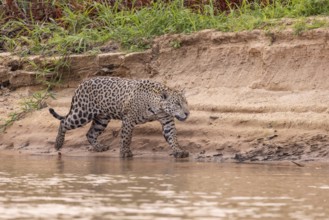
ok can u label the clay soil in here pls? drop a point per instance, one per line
(253, 96)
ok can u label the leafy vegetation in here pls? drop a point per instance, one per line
(36, 101)
(65, 27)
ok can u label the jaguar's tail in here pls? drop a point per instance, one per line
(59, 117)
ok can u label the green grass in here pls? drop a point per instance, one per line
(303, 25)
(79, 31)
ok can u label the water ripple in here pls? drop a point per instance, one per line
(159, 191)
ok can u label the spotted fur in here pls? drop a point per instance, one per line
(101, 99)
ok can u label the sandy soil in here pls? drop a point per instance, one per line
(253, 96)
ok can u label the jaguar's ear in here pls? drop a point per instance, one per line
(164, 95)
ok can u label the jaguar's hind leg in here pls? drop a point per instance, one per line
(97, 127)
(60, 136)
(70, 122)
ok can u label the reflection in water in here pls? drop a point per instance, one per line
(60, 164)
(107, 188)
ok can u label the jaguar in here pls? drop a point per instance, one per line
(101, 99)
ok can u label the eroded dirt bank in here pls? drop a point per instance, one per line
(253, 96)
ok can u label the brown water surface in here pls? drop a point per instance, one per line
(35, 187)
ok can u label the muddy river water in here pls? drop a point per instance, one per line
(36, 187)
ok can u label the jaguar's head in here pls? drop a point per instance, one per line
(174, 103)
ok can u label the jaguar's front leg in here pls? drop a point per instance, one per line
(126, 135)
(170, 134)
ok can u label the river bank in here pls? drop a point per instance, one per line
(253, 96)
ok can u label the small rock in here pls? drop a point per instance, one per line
(10, 146)
(15, 65)
(272, 136)
(212, 117)
(238, 157)
(26, 144)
